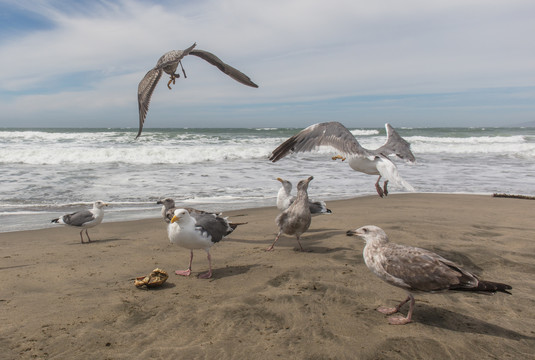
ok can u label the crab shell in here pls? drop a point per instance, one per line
(156, 278)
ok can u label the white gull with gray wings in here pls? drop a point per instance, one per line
(84, 219)
(372, 162)
(168, 63)
(197, 231)
(415, 270)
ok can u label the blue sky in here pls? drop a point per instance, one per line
(411, 63)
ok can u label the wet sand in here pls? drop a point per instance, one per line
(60, 299)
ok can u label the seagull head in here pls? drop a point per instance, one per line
(370, 234)
(99, 204)
(285, 184)
(167, 202)
(303, 184)
(180, 214)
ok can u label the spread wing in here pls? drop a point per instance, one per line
(395, 144)
(79, 218)
(227, 69)
(331, 134)
(144, 93)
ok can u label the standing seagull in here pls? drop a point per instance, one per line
(197, 231)
(296, 219)
(415, 269)
(168, 63)
(84, 219)
(372, 162)
(285, 199)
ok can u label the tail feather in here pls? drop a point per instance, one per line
(55, 220)
(235, 225)
(488, 286)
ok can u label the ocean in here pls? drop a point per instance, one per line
(49, 172)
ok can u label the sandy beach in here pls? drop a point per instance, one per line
(60, 299)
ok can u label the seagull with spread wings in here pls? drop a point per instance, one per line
(168, 63)
(372, 162)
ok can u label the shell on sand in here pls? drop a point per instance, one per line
(156, 278)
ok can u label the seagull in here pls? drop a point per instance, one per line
(415, 269)
(84, 219)
(168, 211)
(285, 199)
(168, 63)
(372, 162)
(296, 219)
(197, 231)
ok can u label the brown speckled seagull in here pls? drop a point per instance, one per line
(297, 218)
(415, 270)
(168, 63)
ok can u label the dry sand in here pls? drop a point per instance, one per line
(60, 299)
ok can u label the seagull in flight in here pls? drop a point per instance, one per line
(372, 162)
(168, 63)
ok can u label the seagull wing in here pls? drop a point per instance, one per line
(79, 218)
(395, 144)
(212, 224)
(227, 69)
(424, 270)
(331, 134)
(144, 93)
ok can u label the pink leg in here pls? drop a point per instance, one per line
(207, 275)
(277, 238)
(399, 320)
(81, 237)
(378, 187)
(188, 271)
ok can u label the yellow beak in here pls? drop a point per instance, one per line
(175, 218)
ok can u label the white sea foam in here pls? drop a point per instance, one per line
(48, 173)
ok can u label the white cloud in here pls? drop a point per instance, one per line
(297, 51)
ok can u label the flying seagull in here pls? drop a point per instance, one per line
(296, 219)
(197, 231)
(415, 269)
(372, 162)
(84, 219)
(285, 199)
(168, 63)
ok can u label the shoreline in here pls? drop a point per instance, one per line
(62, 299)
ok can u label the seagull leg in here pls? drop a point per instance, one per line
(392, 310)
(207, 275)
(172, 80)
(378, 187)
(400, 320)
(188, 271)
(183, 71)
(338, 157)
(88, 238)
(81, 237)
(272, 245)
(385, 184)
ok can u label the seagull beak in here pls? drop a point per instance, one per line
(159, 202)
(279, 179)
(351, 233)
(175, 219)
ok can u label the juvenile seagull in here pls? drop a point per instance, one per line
(415, 269)
(84, 219)
(372, 162)
(296, 219)
(168, 63)
(285, 199)
(169, 207)
(197, 231)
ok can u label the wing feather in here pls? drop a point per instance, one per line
(144, 93)
(227, 69)
(332, 134)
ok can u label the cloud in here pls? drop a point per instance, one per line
(92, 55)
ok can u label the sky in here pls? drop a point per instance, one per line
(412, 63)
